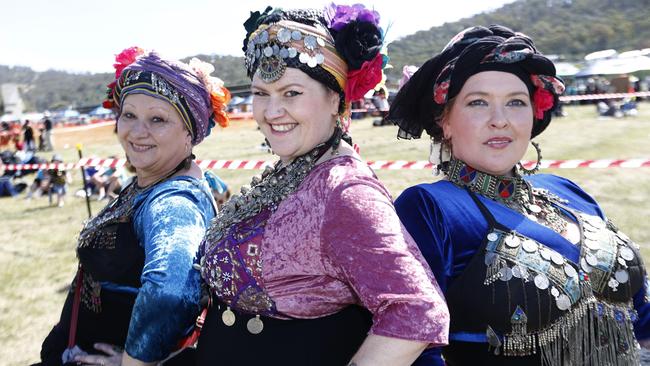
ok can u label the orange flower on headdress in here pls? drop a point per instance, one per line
(219, 95)
(219, 101)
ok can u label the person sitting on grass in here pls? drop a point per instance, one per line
(59, 179)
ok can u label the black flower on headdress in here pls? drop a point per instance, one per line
(358, 42)
(253, 22)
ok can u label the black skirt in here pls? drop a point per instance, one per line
(330, 340)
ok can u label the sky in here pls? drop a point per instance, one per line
(85, 35)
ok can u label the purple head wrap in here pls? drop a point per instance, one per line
(173, 82)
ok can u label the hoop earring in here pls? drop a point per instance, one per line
(535, 169)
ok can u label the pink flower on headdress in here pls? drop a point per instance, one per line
(126, 58)
(338, 16)
(364, 79)
(407, 72)
(542, 100)
(122, 60)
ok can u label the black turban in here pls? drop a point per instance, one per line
(421, 101)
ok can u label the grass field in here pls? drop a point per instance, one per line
(37, 259)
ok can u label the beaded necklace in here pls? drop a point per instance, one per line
(537, 204)
(275, 184)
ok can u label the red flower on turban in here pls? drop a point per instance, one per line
(126, 58)
(542, 100)
(364, 79)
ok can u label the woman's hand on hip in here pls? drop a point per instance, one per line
(113, 356)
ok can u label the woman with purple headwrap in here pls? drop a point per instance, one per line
(136, 293)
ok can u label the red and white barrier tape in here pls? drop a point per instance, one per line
(571, 98)
(377, 165)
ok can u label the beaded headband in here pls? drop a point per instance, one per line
(272, 45)
(148, 83)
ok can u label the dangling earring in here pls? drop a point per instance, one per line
(338, 131)
(268, 146)
(439, 155)
(537, 164)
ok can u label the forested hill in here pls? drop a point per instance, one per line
(55, 89)
(569, 28)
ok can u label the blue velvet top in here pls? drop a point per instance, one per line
(449, 228)
(170, 220)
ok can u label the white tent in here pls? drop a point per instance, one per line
(616, 66)
(10, 117)
(565, 69)
(235, 101)
(34, 116)
(100, 111)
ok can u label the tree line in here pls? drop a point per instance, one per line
(568, 28)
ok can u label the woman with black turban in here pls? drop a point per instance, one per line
(532, 269)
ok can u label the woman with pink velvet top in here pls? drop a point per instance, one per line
(310, 265)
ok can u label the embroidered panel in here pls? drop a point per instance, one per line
(233, 267)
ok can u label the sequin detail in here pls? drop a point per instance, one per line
(234, 267)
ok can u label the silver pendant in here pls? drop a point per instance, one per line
(284, 35)
(228, 317)
(529, 246)
(563, 302)
(541, 281)
(557, 258)
(519, 272)
(585, 266)
(555, 292)
(255, 325)
(545, 253)
(534, 208)
(512, 241)
(622, 236)
(591, 259)
(621, 276)
(570, 271)
(505, 274)
(626, 253)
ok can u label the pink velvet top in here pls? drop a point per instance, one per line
(337, 241)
